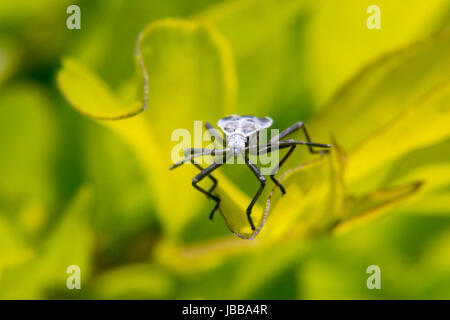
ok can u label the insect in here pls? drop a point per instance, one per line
(237, 132)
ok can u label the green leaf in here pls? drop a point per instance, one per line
(434, 204)
(310, 207)
(434, 198)
(312, 203)
(10, 14)
(406, 168)
(189, 59)
(90, 95)
(8, 60)
(134, 281)
(70, 243)
(383, 91)
(242, 22)
(363, 206)
(233, 206)
(247, 285)
(426, 164)
(60, 250)
(193, 60)
(250, 26)
(13, 250)
(339, 43)
(190, 76)
(119, 211)
(28, 131)
(313, 197)
(423, 123)
(314, 181)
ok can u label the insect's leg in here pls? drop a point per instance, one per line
(272, 174)
(214, 180)
(200, 177)
(293, 128)
(288, 143)
(262, 180)
(214, 133)
(187, 159)
(291, 144)
(202, 152)
(190, 151)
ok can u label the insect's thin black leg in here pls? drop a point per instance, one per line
(214, 133)
(288, 143)
(214, 180)
(272, 174)
(293, 128)
(190, 151)
(262, 180)
(291, 144)
(257, 142)
(206, 172)
(185, 160)
(202, 152)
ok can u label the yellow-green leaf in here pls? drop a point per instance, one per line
(28, 136)
(310, 184)
(90, 95)
(70, 243)
(269, 75)
(359, 207)
(233, 208)
(189, 72)
(421, 124)
(384, 90)
(135, 281)
(339, 42)
(312, 203)
(13, 250)
(434, 197)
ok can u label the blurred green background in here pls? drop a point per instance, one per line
(98, 194)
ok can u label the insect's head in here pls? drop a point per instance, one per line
(243, 125)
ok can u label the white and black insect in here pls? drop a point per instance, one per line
(237, 132)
